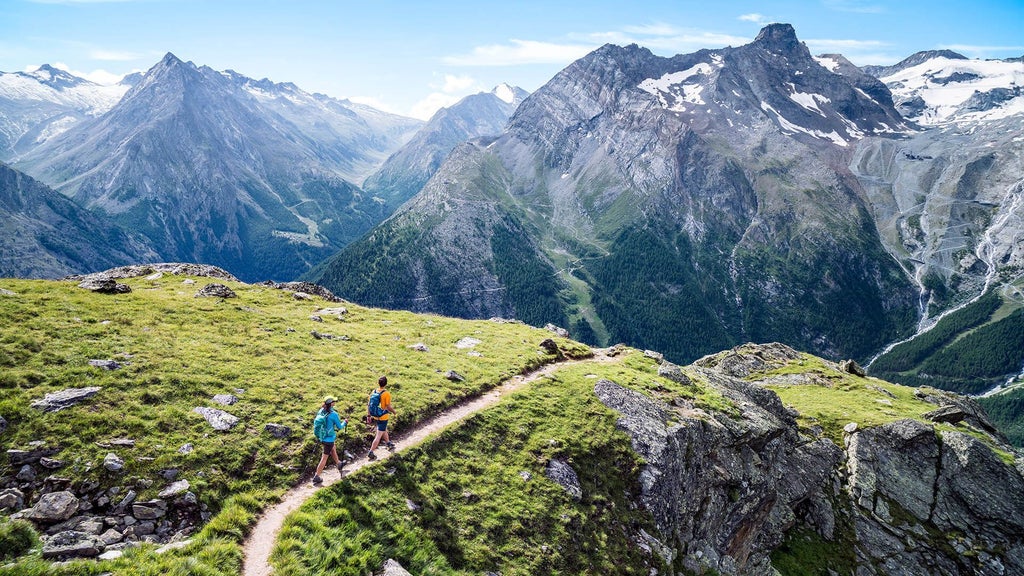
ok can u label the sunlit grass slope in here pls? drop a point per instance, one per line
(178, 351)
(476, 498)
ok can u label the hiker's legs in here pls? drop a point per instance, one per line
(382, 432)
(328, 448)
(376, 439)
(334, 454)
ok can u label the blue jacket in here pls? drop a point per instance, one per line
(334, 424)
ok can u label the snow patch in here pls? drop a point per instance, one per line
(792, 128)
(809, 101)
(946, 84)
(675, 89)
(830, 64)
(505, 93)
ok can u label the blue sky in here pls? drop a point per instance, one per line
(411, 57)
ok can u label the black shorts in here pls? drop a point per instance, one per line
(328, 447)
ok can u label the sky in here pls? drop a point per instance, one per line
(412, 57)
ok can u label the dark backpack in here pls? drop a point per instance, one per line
(373, 406)
(320, 424)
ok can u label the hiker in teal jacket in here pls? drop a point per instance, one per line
(326, 427)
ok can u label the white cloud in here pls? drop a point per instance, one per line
(755, 18)
(658, 29)
(454, 84)
(519, 52)
(671, 40)
(99, 76)
(434, 101)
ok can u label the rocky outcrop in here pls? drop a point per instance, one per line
(219, 419)
(138, 271)
(307, 288)
(57, 401)
(903, 498)
(214, 290)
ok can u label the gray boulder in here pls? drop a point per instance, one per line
(149, 510)
(673, 373)
(3, 424)
(105, 364)
(851, 367)
(71, 544)
(560, 332)
(57, 401)
(551, 347)
(113, 463)
(561, 473)
(26, 474)
(219, 419)
(176, 488)
(392, 568)
(11, 499)
(104, 285)
(278, 430)
(54, 507)
(214, 290)
(225, 399)
(454, 376)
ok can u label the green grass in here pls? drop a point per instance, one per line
(831, 398)
(178, 351)
(477, 512)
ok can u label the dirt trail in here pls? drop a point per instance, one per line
(261, 540)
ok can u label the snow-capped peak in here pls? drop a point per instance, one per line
(943, 89)
(505, 93)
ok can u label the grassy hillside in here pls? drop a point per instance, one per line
(178, 351)
(476, 499)
(473, 499)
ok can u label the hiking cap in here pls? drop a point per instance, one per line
(330, 399)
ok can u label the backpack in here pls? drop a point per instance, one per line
(373, 406)
(320, 424)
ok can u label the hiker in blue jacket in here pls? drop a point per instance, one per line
(326, 426)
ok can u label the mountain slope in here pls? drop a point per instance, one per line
(213, 167)
(684, 204)
(406, 171)
(743, 463)
(45, 235)
(36, 106)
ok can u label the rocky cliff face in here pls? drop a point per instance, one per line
(736, 493)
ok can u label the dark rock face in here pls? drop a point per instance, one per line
(724, 491)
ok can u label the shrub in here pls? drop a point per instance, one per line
(17, 537)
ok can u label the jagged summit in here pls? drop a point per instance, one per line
(779, 38)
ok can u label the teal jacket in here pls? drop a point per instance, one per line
(334, 425)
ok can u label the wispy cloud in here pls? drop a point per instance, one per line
(519, 52)
(454, 84)
(99, 76)
(857, 6)
(755, 18)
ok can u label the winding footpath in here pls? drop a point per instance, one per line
(260, 541)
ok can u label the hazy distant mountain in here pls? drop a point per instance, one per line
(406, 171)
(45, 235)
(213, 167)
(683, 204)
(36, 106)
